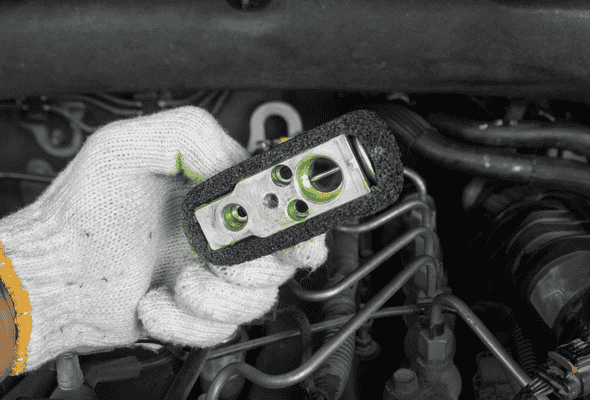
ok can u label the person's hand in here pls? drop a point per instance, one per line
(103, 256)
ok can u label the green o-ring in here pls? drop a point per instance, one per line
(307, 188)
(297, 215)
(235, 217)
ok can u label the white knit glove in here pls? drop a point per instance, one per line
(103, 255)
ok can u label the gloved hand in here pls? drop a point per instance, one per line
(103, 256)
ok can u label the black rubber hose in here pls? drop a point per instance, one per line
(520, 135)
(305, 329)
(525, 352)
(419, 136)
(329, 380)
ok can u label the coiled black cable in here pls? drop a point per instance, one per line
(525, 351)
(524, 394)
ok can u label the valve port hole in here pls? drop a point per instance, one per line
(301, 207)
(325, 175)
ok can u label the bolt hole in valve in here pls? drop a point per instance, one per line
(235, 217)
(325, 175)
(301, 207)
(320, 179)
(298, 210)
(282, 175)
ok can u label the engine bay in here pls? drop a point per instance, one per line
(493, 219)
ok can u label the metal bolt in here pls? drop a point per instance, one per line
(405, 381)
(271, 200)
(438, 348)
(57, 137)
(69, 373)
(366, 346)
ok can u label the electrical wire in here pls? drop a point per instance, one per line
(203, 103)
(186, 378)
(181, 102)
(118, 101)
(25, 177)
(13, 105)
(484, 334)
(305, 330)
(524, 348)
(161, 359)
(64, 113)
(113, 110)
(220, 102)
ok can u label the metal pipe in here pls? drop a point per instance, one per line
(484, 335)
(436, 318)
(386, 217)
(420, 185)
(418, 182)
(430, 240)
(370, 266)
(315, 328)
(299, 374)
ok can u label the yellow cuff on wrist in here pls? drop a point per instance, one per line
(22, 309)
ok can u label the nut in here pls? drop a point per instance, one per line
(439, 348)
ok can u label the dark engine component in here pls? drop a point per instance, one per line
(539, 247)
(566, 373)
(531, 243)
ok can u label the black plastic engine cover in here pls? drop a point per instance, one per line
(503, 47)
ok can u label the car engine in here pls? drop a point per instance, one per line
(475, 284)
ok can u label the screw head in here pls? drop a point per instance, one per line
(271, 200)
